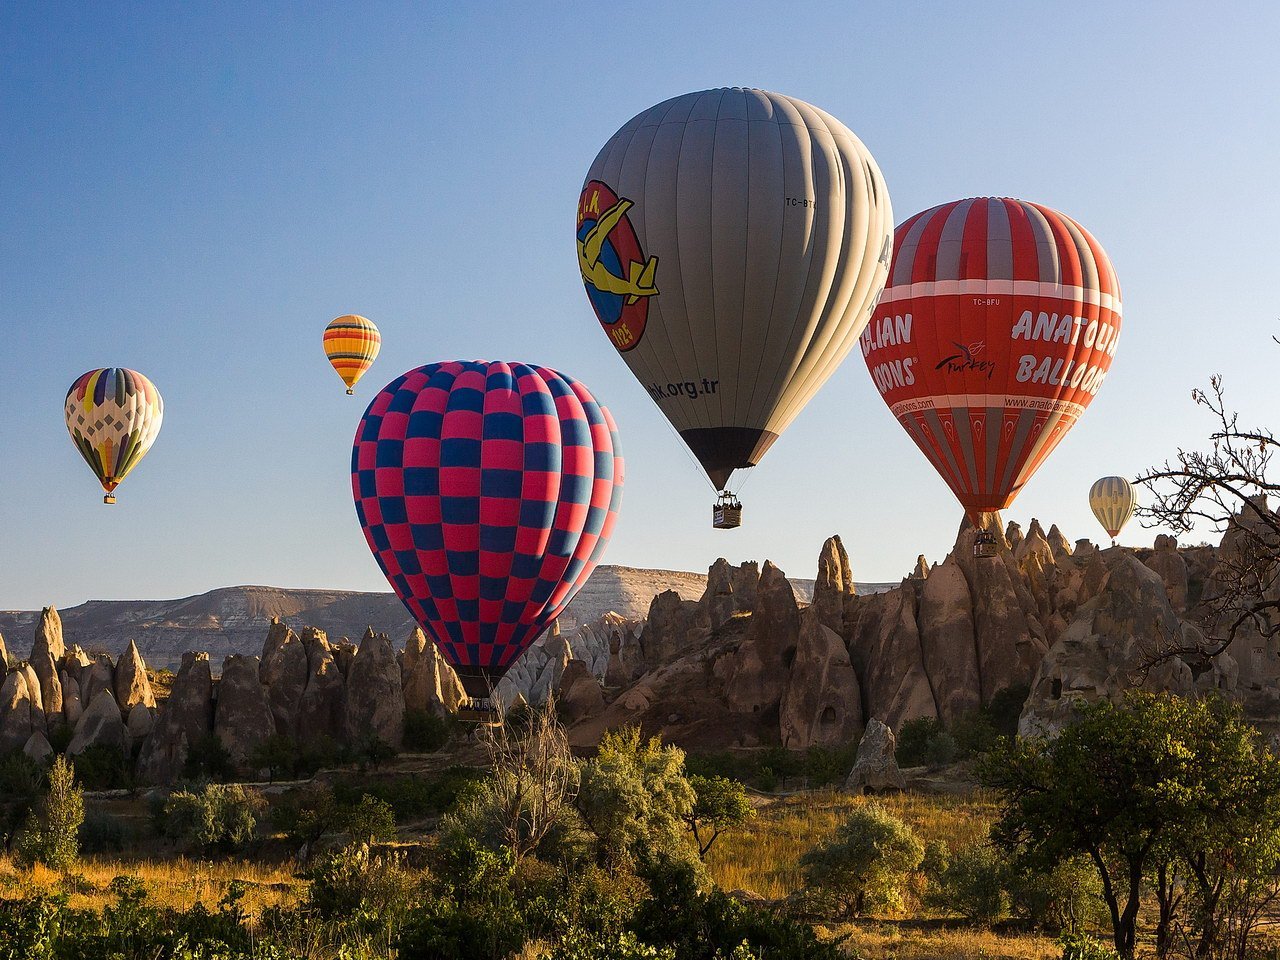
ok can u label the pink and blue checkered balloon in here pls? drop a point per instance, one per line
(487, 492)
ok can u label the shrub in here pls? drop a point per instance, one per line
(1064, 898)
(824, 766)
(973, 884)
(940, 750)
(306, 814)
(867, 861)
(634, 797)
(208, 759)
(104, 767)
(216, 816)
(52, 834)
(697, 923)
(369, 821)
(376, 890)
(719, 805)
(913, 741)
(1076, 946)
(425, 732)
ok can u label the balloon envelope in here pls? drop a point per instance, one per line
(113, 416)
(487, 493)
(351, 343)
(1112, 500)
(732, 243)
(994, 333)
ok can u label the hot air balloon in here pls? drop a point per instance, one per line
(732, 243)
(996, 329)
(351, 343)
(1112, 500)
(113, 416)
(487, 493)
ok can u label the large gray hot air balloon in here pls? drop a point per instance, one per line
(733, 243)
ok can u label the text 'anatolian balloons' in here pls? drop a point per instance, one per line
(996, 329)
(487, 493)
(732, 243)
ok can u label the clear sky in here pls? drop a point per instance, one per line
(195, 191)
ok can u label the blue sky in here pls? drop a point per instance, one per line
(195, 192)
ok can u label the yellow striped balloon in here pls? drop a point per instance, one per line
(351, 343)
(1112, 500)
(113, 416)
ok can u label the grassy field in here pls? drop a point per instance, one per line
(763, 859)
(179, 883)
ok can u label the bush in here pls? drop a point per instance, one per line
(376, 890)
(1065, 898)
(824, 766)
(635, 797)
(103, 767)
(972, 884)
(697, 923)
(217, 816)
(424, 732)
(914, 739)
(369, 821)
(306, 814)
(208, 759)
(1079, 947)
(866, 862)
(52, 835)
(20, 781)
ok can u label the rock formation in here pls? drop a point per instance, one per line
(283, 671)
(375, 700)
(131, 684)
(4, 655)
(242, 719)
(834, 585)
(429, 682)
(876, 768)
(186, 719)
(580, 693)
(322, 709)
(1168, 562)
(19, 716)
(100, 726)
(46, 651)
(97, 675)
(822, 704)
(38, 747)
(1109, 646)
(764, 659)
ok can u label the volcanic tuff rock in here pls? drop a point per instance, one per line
(375, 699)
(821, 705)
(876, 768)
(1168, 562)
(19, 717)
(759, 676)
(186, 719)
(1109, 646)
(429, 682)
(98, 675)
(833, 586)
(47, 649)
(580, 693)
(100, 726)
(322, 708)
(242, 719)
(141, 721)
(38, 747)
(131, 684)
(283, 671)
(536, 674)
(71, 705)
(4, 654)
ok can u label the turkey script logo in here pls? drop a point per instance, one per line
(618, 277)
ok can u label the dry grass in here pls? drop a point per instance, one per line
(937, 941)
(170, 883)
(764, 857)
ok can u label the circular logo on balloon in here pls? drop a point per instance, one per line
(619, 278)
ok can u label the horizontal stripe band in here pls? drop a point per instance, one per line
(982, 288)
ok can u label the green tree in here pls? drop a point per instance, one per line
(867, 861)
(370, 821)
(216, 816)
(52, 834)
(718, 805)
(1139, 788)
(635, 797)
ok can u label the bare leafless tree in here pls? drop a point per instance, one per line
(1225, 487)
(533, 778)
